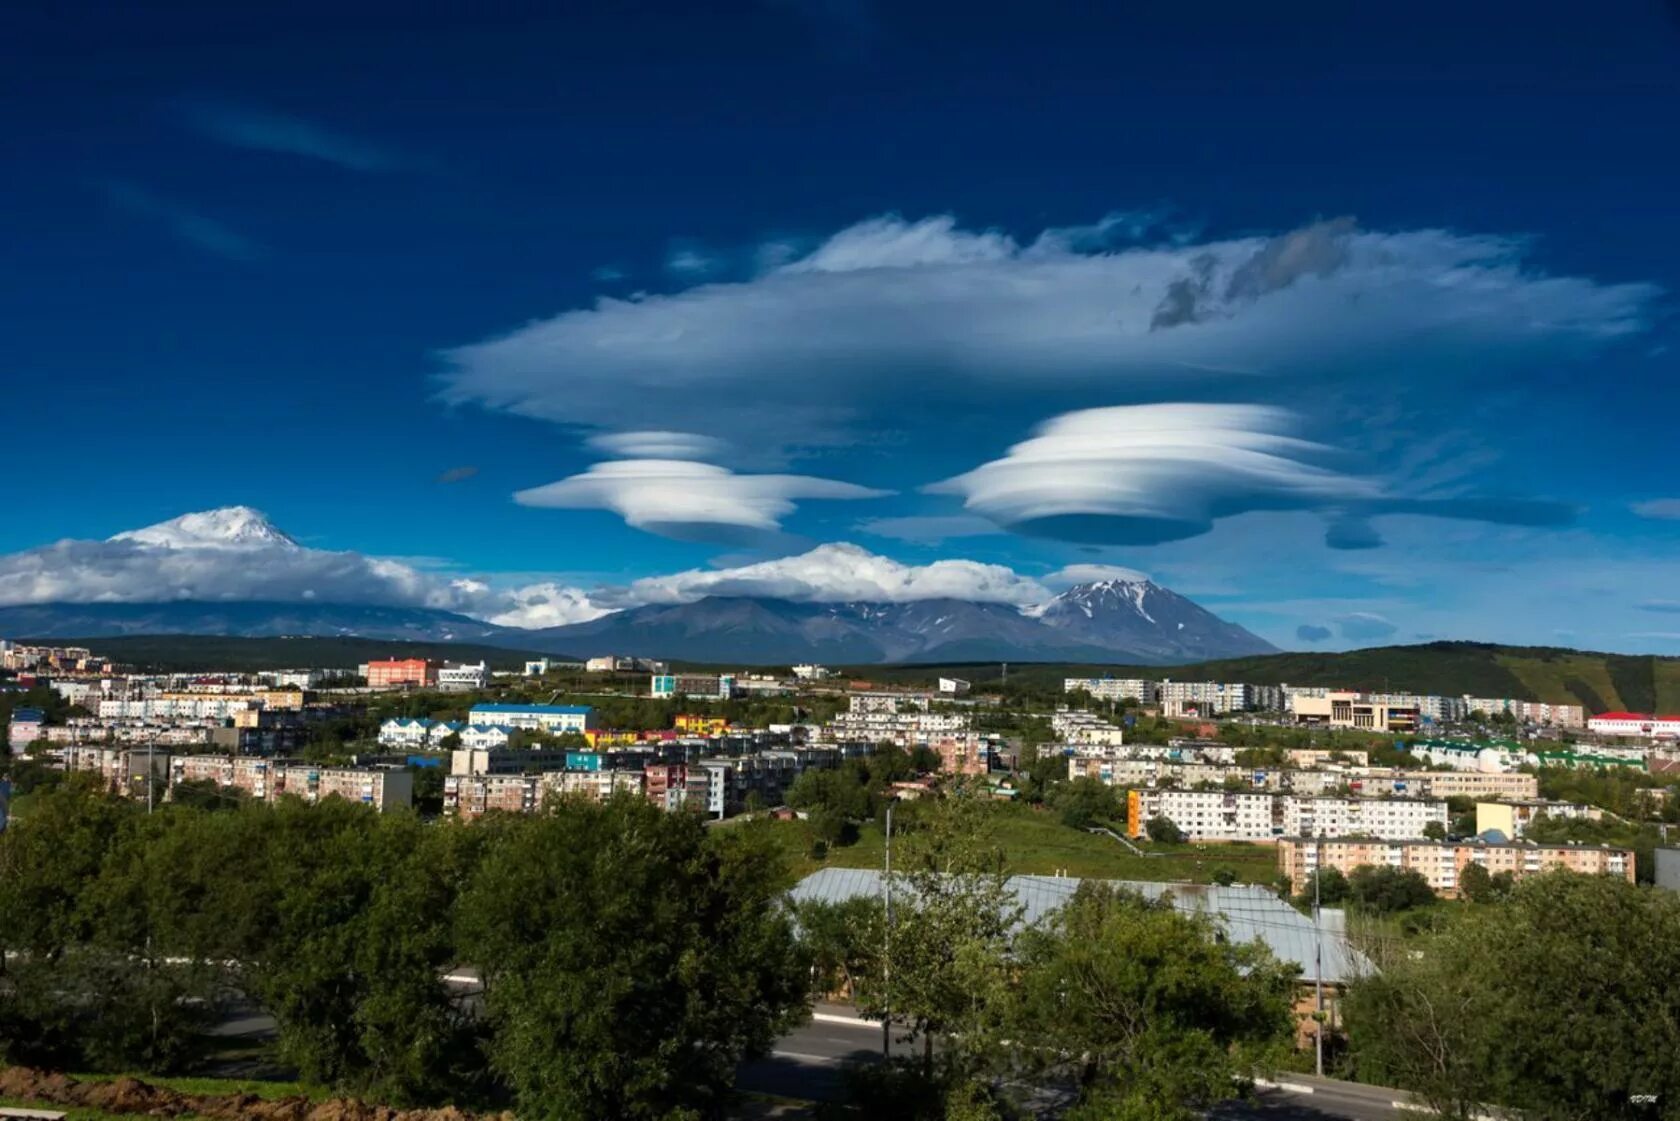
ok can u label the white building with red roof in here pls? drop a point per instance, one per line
(1635, 724)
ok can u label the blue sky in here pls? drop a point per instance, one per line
(1337, 320)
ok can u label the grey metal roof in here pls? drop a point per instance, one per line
(1246, 912)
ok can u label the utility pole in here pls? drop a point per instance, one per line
(1318, 959)
(151, 773)
(886, 957)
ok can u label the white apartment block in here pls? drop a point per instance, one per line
(1238, 815)
(1085, 730)
(1114, 688)
(1206, 698)
(1387, 818)
(1203, 815)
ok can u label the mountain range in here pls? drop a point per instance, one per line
(1124, 619)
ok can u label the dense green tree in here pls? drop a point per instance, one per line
(1331, 888)
(843, 941)
(1085, 802)
(1164, 831)
(1152, 1014)
(1560, 1003)
(1386, 890)
(946, 975)
(630, 962)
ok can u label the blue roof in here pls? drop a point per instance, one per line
(481, 728)
(452, 725)
(27, 716)
(533, 710)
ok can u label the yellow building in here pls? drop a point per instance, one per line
(699, 725)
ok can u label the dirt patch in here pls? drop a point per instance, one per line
(131, 1095)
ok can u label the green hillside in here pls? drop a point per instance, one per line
(1599, 682)
(182, 653)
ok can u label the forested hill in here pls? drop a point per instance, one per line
(1600, 682)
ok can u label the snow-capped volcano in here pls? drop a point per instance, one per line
(229, 527)
(1135, 613)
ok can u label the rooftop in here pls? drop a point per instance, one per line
(533, 710)
(1246, 912)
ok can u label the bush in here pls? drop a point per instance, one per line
(1164, 831)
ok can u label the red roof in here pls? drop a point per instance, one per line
(1624, 716)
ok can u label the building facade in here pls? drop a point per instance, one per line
(1442, 862)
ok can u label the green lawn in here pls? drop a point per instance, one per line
(1037, 843)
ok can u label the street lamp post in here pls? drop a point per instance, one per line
(886, 958)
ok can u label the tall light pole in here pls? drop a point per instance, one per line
(886, 957)
(1318, 956)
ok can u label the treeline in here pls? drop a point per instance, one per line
(629, 959)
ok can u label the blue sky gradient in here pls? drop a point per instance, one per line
(345, 264)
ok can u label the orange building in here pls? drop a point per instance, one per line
(395, 673)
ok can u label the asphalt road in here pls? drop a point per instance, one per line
(809, 1063)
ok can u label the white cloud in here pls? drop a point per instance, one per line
(687, 500)
(546, 605)
(819, 349)
(1071, 574)
(184, 222)
(657, 444)
(244, 127)
(1148, 474)
(1661, 509)
(838, 573)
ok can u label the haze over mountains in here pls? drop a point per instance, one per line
(262, 582)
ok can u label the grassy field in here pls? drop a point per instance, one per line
(1037, 843)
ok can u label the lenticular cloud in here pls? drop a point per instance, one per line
(825, 346)
(1149, 474)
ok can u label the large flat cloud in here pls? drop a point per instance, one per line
(688, 500)
(235, 555)
(838, 573)
(821, 348)
(1149, 474)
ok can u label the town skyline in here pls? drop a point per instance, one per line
(1358, 352)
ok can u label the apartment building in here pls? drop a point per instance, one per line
(1308, 757)
(1442, 862)
(895, 718)
(1248, 815)
(719, 687)
(470, 796)
(551, 719)
(1512, 819)
(1203, 815)
(401, 673)
(598, 785)
(675, 786)
(466, 760)
(1204, 698)
(1463, 784)
(1085, 730)
(700, 725)
(1114, 688)
(1349, 817)
(1530, 712)
(963, 755)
